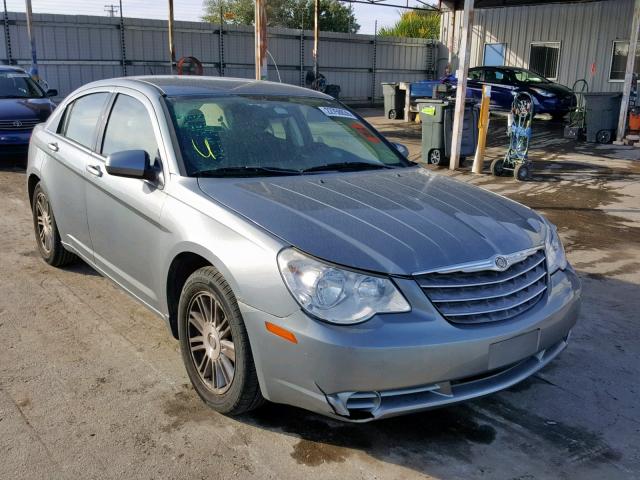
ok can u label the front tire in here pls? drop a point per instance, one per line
(436, 157)
(215, 345)
(497, 167)
(47, 236)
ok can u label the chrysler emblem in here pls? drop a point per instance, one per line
(501, 263)
(17, 124)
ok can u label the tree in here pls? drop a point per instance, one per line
(415, 24)
(334, 16)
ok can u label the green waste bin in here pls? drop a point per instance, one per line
(437, 127)
(601, 115)
(393, 100)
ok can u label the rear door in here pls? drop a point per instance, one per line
(69, 150)
(502, 87)
(124, 213)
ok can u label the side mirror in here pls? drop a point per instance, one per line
(130, 164)
(404, 151)
(52, 92)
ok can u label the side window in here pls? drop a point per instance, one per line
(475, 75)
(81, 118)
(493, 76)
(129, 128)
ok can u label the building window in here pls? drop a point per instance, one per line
(619, 61)
(494, 54)
(544, 58)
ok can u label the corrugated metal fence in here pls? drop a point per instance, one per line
(73, 50)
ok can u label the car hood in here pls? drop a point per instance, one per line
(555, 88)
(382, 221)
(25, 108)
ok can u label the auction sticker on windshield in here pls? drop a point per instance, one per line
(337, 112)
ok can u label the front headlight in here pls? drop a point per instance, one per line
(335, 294)
(544, 93)
(556, 258)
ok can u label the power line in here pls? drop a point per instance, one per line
(112, 10)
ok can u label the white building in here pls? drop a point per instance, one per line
(563, 41)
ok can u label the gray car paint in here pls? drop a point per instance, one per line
(398, 222)
(393, 221)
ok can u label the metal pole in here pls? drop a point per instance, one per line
(33, 71)
(483, 127)
(7, 35)
(302, 52)
(221, 43)
(172, 47)
(123, 44)
(628, 76)
(373, 69)
(261, 40)
(316, 38)
(461, 89)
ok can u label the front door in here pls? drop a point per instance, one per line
(124, 213)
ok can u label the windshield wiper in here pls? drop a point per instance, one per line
(347, 166)
(246, 172)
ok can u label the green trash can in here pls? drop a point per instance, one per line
(437, 126)
(393, 100)
(601, 115)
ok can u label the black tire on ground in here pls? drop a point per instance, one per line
(242, 392)
(436, 157)
(497, 167)
(603, 136)
(522, 172)
(392, 114)
(46, 231)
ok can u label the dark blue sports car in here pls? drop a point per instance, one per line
(548, 97)
(23, 104)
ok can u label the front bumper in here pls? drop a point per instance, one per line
(401, 363)
(14, 143)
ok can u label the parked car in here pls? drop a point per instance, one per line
(23, 104)
(295, 253)
(549, 97)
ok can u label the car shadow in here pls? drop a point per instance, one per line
(13, 163)
(557, 421)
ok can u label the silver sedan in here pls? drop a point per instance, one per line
(294, 252)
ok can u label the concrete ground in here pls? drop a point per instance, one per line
(92, 384)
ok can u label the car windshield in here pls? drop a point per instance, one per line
(527, 76)
(239, 135)
(18, 85)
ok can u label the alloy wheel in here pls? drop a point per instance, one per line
(45, 225)
(211, 342)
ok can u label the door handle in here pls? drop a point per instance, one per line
(53, 146)
(94, 170)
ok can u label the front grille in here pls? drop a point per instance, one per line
(487, 296)
(18, 124)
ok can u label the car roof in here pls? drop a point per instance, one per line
(10, 68)
(176, 85)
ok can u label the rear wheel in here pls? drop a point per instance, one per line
(497, 167)
(603, 136)
(522, 172)
(215, 346)
(47, 235)
(392, 114)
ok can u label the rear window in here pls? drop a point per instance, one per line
(82, 118)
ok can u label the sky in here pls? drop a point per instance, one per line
(190, 10)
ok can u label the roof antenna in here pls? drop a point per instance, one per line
(275, 64)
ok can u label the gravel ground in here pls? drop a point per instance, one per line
(92, 384)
